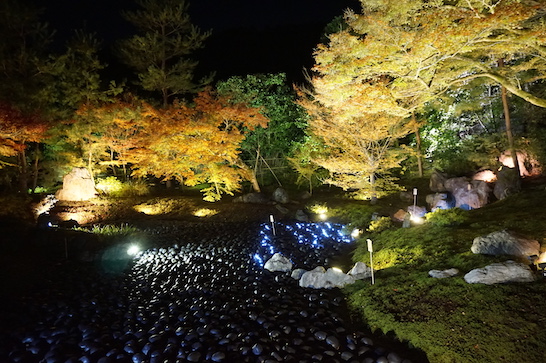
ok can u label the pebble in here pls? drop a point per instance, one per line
(197, 294)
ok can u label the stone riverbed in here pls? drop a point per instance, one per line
(197, 293)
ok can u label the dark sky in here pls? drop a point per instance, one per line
(248, 36)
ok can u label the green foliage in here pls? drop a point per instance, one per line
(272, 93)
(113, 187)
(447, 217)
(110, 231)
(450, 320)
(381, 224)
(356, 215)
(160, 53)
(309, 172)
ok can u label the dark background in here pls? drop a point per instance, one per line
(248, 36)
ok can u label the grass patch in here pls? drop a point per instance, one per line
(450, 320)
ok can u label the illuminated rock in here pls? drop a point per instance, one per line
(78, 185)
(528, 166)
(508, 183)
(417, 211)
(440, 201)
(302, 216)
(437, 180)
(278, 263)
(499, 273)
(468, 194)
(505, 243)
(320, 279)
(399, 215)
(297, 273)
(442, 274)
(253, 198)
(360, 271)
(280, 195)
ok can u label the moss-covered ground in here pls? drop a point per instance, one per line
(450, 320)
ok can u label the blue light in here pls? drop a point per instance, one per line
(312, 235)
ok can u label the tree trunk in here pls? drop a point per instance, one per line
(419, 154)
(509, 135)
(35, 170)
(23, 172)
(373, 199)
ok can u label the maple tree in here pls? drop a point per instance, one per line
(198, 143)
(394, 58)
(17, 132)
(99, 135)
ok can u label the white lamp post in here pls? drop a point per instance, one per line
(370, 249)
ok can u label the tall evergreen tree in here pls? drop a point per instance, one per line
(161, 52)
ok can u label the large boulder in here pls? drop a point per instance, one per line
(440, 201)
(437, 180)
(360, 271)
(499, 273)
(417, 211)
(505, 243)
(252, 198)
(320, 279)
(528, 166)
(281, 196)
(468, 194)
(78, 185)
(508, 183)
(278, 263)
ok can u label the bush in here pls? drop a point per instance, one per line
(447, 217)
(380, 225)
(113, 187)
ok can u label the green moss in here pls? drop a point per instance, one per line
(450, 320)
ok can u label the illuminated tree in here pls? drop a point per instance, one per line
(396, 56)
(17, 131)
(358, 145)
(198, 144)
(161, 53)
(99, 136)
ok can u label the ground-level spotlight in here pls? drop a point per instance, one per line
(417, 219)
(355, 233)
(133, 250)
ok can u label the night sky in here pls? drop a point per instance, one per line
(248, 36)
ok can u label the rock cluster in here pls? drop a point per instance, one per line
(198, 295)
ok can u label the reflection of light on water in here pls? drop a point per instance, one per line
(310, 234)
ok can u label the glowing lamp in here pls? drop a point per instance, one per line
(416, 219)
(355, 233)
(133, 250)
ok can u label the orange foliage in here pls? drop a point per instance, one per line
(17, 129)
(197, 144)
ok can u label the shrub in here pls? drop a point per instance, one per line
(447, 217)
(113, 187)
(380, 225)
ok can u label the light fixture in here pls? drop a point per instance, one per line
(133, 250)
(355, 233)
